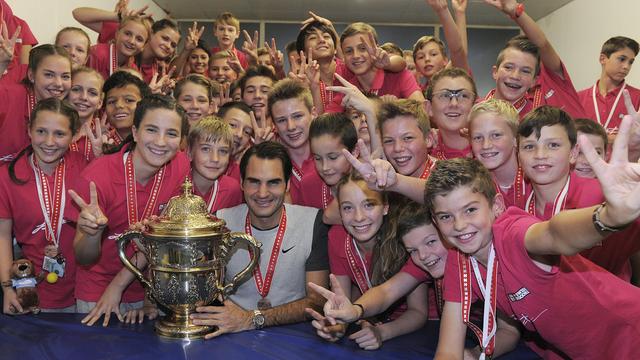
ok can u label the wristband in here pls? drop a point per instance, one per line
(518, 12)
(600, 226)
(361, 308)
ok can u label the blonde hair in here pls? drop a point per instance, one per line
(497, 107)
(140, 20)
(228, 19)
(358, 28)
(210, 129)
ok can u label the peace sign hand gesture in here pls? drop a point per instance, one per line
(96, 138)
(378, 173)
(352, 96)
(277, 58)
(338, 307)
(263, 131)
(7, 44)
(250, 46)
(91, 220)
(193, 37)
(619, 179)
(381, 58)
(234, 63)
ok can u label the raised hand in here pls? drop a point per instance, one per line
(96, 138)
(262, 131)
(91, 219)
(438, 4)
(619, 179)
(225, 94)
(250, 46)
(121, 5)
(126, 12)
(277, 58)
(7, 43)
(378, 173)
(380, 57)
(459, 6)
(164, 84)
(234, 63)
(352, 96)
(369, 337)
(338, 306)
(193, 37)
(308, 72)
(313, 17)
(506, 6)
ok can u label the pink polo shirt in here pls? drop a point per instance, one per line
(14, 116)
(314, 192)
(229, 194)
(20, 203)
(295, 181)
(108, 173)
(606, 103)
(614, 253)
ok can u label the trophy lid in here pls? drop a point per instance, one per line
(186, 215)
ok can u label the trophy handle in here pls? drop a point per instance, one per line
(124, 240)
(229, 240)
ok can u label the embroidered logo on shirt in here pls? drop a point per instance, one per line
(549, 94)
(284, 251)
(519, 295)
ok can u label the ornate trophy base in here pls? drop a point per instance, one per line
(174, 326)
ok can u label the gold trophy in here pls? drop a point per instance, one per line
(187, 250)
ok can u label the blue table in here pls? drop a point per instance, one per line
(62, 336)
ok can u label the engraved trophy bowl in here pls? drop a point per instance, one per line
(187, 250)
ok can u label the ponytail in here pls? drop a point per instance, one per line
(12, 165)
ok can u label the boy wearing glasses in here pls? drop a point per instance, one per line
(450, 96)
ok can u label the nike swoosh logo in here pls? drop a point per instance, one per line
(284, 251)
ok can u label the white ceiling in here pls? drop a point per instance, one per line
(346, 11)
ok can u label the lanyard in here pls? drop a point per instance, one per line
(52, 207)
(613, 108)
(264, 286)
(558, 204)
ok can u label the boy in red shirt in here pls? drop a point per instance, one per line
(529, 269)
(450, 96)
(291, 108)
(366, 61)
(547, 139)
(602, 101)
(210, 142)
(493, 130)
(226, 29)
(406, 137)
(529, 73)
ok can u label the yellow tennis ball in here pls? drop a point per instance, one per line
(52, 278)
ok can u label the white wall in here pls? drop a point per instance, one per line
(578, 30)
(46, 17)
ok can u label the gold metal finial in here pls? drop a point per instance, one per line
(187, 186)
